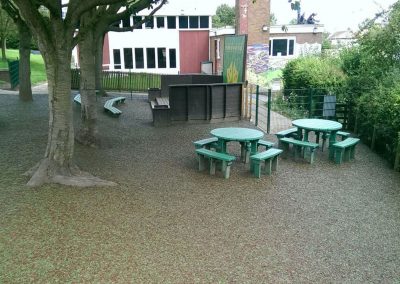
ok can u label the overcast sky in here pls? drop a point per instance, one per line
(336, 15)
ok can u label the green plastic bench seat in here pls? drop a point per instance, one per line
(287, 133)
(214, 157)
(291, 132)
(77, 99)
(299, 146)
(109, 105)
(343, 134)
(271, 161)
(325, 136)
(344, 150)
(265, 143)
(206, 143)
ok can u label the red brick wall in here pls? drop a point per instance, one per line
(251, 19)
(106, 52)
(258, 17)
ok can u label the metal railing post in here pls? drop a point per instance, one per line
(310, 98)
(269, 111)
(257, 97)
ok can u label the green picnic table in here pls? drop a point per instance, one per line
(239, 134)
(318, 125)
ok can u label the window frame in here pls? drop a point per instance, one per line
(117, 65)
(169, 58)
(124, 50)
(163, 22)
(169, 21)
(288, 40)
(153, 49)
(142, 65)
(180, 23)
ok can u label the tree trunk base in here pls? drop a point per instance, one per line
(102, 93)
(86, 139)
(48, 172)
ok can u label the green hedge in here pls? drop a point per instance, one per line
(313, 72)
(380, 109)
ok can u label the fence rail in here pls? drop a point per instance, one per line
(274, 111)
(122, 81)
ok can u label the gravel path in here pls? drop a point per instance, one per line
(168, 223)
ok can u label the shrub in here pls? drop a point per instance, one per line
(313, 72)
(381, 108)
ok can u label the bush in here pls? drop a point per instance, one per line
(13, 42)
(381, 108)
(313, 72)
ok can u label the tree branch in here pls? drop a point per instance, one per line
(128, 12)
(29, 13)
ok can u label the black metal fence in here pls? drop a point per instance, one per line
(275, 109)
(122, 81)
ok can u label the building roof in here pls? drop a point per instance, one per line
(183, 8)
(348, 34)
(295, 29)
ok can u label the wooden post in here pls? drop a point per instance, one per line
(247, 102)
(397, 159)
(251, 101)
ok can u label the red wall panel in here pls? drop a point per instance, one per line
(106, 51)
(194, 49)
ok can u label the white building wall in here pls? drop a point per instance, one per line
(145, 38)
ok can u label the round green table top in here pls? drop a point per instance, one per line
(317, 124)
(237, 134)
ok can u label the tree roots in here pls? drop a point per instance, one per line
(48, 172)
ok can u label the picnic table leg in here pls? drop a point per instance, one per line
(244, 149)
(324, 136)
(332, 140)
(253, 150)
(306, 135)
(299, 133)
(248, 152)
(201, 163)
(317, 137)
(222, 145)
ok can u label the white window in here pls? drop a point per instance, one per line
(281, 47)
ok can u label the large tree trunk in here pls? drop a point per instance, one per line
(99, 64)
(25, 87)
(57, 165)
(88, 132)
(3, 48)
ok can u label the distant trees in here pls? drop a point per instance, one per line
(272, 19)
(224, 16)
(6, 28)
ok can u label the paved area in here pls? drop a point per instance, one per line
(38, 89)
(168, 223)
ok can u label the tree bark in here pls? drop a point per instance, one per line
(25, 86)
(57, 165)
(3, 48)
(99, 63)
(87, 134)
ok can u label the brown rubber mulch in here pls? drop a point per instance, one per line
(168, 223)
